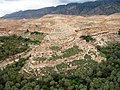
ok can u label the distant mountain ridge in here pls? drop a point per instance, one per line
(99, 7)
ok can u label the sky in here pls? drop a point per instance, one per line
(9, 6)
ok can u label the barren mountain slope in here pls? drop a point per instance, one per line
(96, 7)
(7, 25)
(64, 35)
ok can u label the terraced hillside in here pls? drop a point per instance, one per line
(60, 52)
(62, 40)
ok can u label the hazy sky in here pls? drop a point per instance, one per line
(9, 6)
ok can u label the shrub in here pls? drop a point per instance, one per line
(119, 32)
(88, 38)
(55, 48)
(37, 33)
(40, 59)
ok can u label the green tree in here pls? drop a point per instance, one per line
(37, 87)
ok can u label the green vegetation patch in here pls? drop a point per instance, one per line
(47, 70)
(78, 62)
(62, 66)
(35, 36)
(88, 38)
(112, 50)
(40, 59)
(67, 53)
(87, 57)
(88, 75)
(55, 48)
(36, 33)
(10, 78)
(11, 45)
(55, 57)
(71, 51)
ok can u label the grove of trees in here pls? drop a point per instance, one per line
(93, 76)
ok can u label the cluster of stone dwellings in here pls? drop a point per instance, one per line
(44, 51)
(68, 41)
